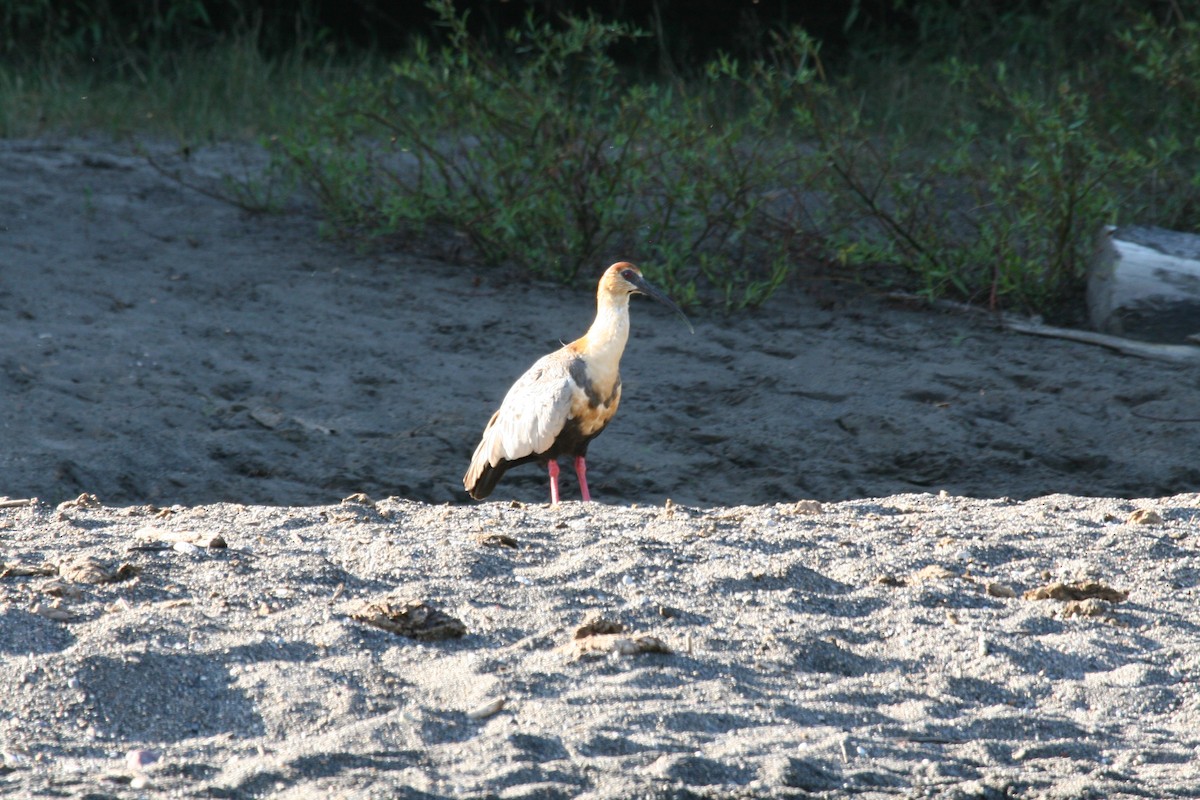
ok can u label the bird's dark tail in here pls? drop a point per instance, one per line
(480, 481)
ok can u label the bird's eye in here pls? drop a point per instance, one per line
(627, 274)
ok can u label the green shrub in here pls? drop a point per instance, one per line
(546, 157)
(543, 154)
(980, 154)
(1008, 217)
(1001, 202)
(1161, 114)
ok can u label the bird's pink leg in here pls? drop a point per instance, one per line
(581, 471)
(552, 467)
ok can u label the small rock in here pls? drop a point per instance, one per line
(599, 637)
(139, 759)
(1145, 516)
(609, 643)
(412, 618)
(85, 500)
(804, 507)
(52, 611)
(92, 570)
(496, 540)
(1091, 607)
(596, 625)
(488, 709)
(197, 539)
(933, 572)
(61, 588)
(1076, 591)
(14, 569)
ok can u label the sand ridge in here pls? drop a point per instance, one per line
(881, 647)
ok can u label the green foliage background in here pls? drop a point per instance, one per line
(970, 149)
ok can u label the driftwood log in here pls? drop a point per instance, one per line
(1144, 283)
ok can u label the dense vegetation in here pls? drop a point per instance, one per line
(970, 149)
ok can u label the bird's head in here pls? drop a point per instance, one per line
(623, 279)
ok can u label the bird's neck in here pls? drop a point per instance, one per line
(604, 342)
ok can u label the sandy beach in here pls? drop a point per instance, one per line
(843, 545)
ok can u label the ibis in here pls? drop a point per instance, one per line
(567, 397)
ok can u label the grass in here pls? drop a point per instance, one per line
(979, 179)
(225, 90)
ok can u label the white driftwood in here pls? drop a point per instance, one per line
(1144, 283)
(1170, 353)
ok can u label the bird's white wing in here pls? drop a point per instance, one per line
(533, 412)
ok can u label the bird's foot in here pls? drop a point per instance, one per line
(581, 471)
(552, 468)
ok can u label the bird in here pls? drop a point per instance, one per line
(567, 397)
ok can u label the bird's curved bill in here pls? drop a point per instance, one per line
(644, 287)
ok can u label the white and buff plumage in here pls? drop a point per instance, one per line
(567, 397)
